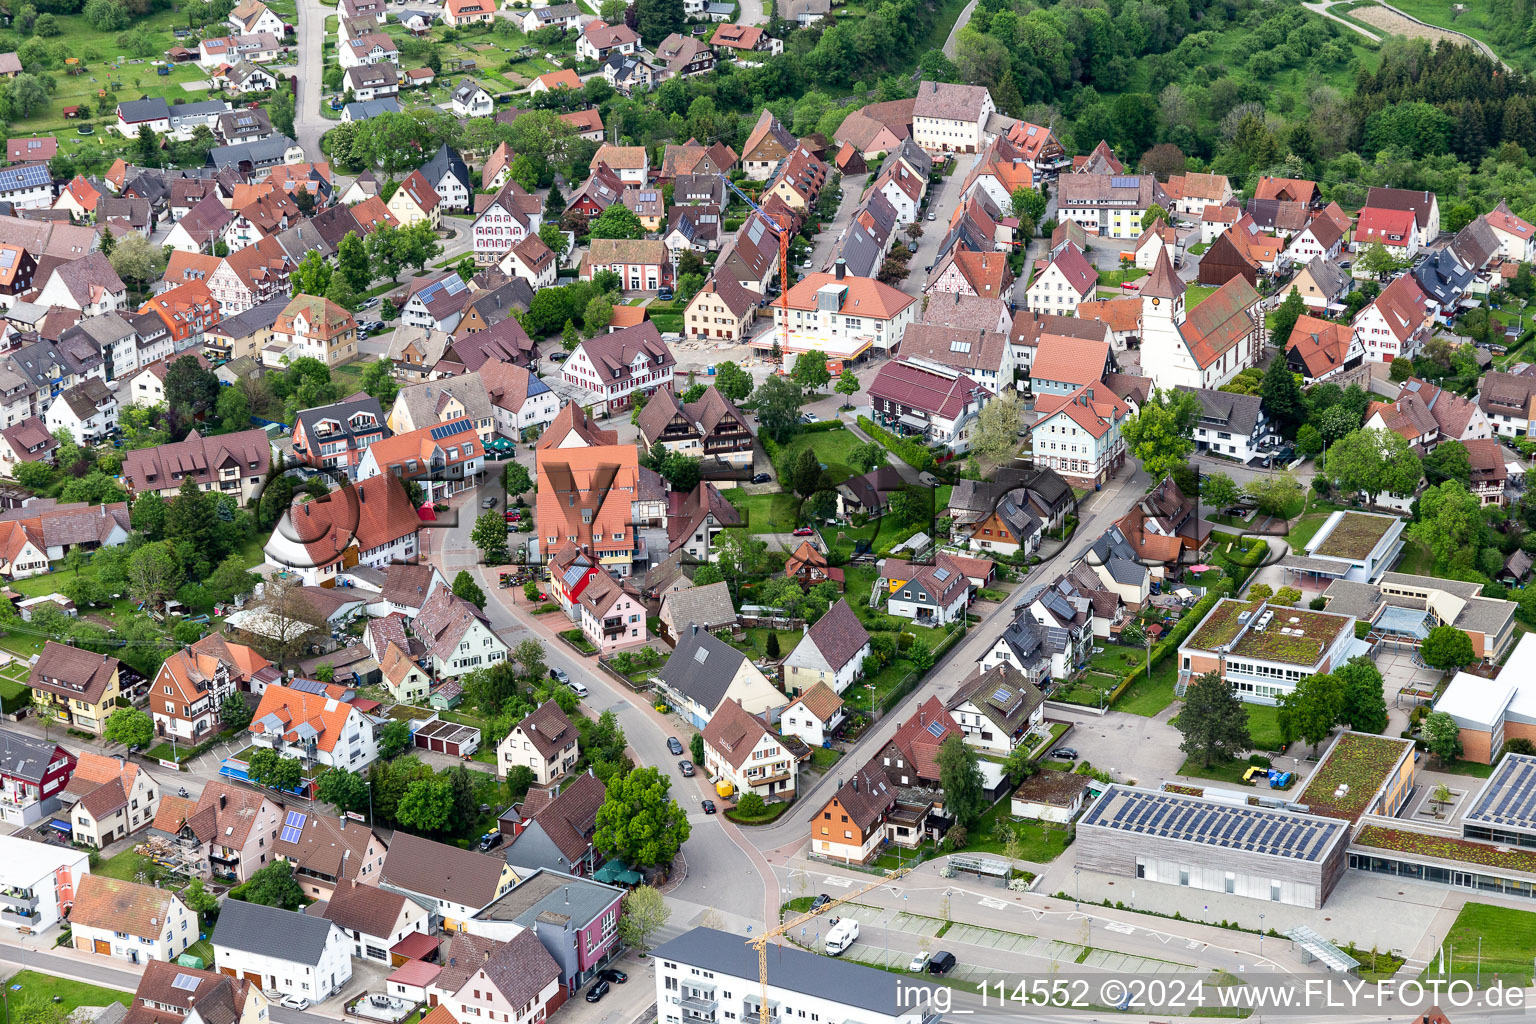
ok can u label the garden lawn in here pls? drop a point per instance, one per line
(833, 447)
(883, 534)
(764, 513)
(757, 641)
(1264, 727)
(1508, 942)
(1232, 771)
(1305, 530)
(124, 866)
(35, 987)
(1416, 559)
(1148, 697)
(1039, 844)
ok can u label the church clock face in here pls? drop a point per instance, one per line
(1156, 302)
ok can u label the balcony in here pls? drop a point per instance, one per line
(220, 855)
(24, 899)
(699, 1007)
(17, 919)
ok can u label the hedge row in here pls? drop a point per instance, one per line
(916, 455)
(1168, 646)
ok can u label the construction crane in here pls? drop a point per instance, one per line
(761, 942)
(784, 231)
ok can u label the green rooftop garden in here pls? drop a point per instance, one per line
(1447, 848)
(1221, 625)
(1359, 761)
(1305, 642)
(1355, 536)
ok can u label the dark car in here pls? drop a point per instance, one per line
(614, 975)
(597, 991)
(490, 841)
(686, 767)
(941, 963)
(820, 901)
(762, 478)
(1064, 754)
(709, 806)
(673, 746)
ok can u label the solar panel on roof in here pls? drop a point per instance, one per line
(185, 982)
(449, 429)
(941, 574)
(1123, 183)
(1001, 696)
(936, 728)
(293, 826)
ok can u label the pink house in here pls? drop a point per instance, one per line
(611, 617)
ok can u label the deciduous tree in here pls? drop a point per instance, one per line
(1213, 721)
(1447, 648)
(645, 909)
(639, 822)
(965, 796)
(1160, 435)
(130, 727)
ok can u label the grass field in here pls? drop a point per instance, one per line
(1473, 21)
(1148, 697)
(1305, 530)
(32, 988)
(1037, 843)
(757, 640)
(1507, 939)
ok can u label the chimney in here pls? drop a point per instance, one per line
(223, 799)
(695, 627)
(343, 822)
(362, 495)
(840, 268)
(567, 895)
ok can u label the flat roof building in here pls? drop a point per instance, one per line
(1402, 609)
(1356, 546)
(1202, 843)
(1490, 712)
(709, 975)
(1263, 650)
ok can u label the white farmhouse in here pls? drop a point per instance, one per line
(130, 921)
(832, 652)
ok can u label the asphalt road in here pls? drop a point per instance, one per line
(308, 125)
(720, 870)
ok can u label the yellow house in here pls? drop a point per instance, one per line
(438, 401)
(76, 688)
(416, 201)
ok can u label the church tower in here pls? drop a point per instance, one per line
(1165, 357)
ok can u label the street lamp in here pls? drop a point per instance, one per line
(1261, 935)
(1077, 877)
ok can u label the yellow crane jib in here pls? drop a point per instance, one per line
(760, 943)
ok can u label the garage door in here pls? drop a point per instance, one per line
(452, 748)
(229, 971)
(253, 978)
(103, 948)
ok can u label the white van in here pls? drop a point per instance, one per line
(842, 936)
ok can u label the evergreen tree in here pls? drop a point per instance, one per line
(1213, 721)
(1282, 396)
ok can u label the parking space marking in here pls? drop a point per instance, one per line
(992, 903)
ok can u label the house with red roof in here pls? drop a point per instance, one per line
(1078, 435)
(371, 522)
(1426, 414)
(314, 727)
(1397, 323)
(910, 758)
(1517, 238)
(1393, 229)
(931, 594)
(1489, 473)
(1063, 283)
(1321, 349)
(741, 749)
(1192, 193)
(193, 684)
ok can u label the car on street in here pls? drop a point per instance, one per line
(597, 991)
(762, 478)
(804, 531)
(809, 417)
(686, 767)
(489, 502)
(709, 806)
(559, 675)
(1064, 754)
(294, 1003)
(820, 901)
(932, 215)
(614, 975)
(919, 962)
(673, 746)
